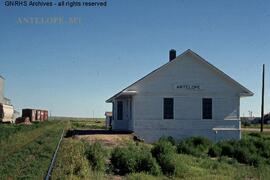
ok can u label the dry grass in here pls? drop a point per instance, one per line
(109, 140)
(27, 154)
(17, 141)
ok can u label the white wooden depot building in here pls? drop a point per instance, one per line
(185, 97)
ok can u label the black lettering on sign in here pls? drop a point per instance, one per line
(188, 87)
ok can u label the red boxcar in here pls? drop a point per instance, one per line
(41, 115)
(30, 113)
(35, 114)
(38, 115)
(45, 115)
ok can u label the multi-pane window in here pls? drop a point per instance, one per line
(119, 110)
(168, 106)
(207, 108)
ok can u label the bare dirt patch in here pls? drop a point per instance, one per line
(109, 140)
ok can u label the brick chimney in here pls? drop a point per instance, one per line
(172, 54)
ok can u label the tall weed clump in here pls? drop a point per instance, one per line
(71, 162)
(165, 154)
(214, 151)
(253, 149)
(197, 146)
(96, 155)
(133, 159)
(169, 139)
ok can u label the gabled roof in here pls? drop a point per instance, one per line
(225, 76)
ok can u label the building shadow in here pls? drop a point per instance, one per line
(74, 132)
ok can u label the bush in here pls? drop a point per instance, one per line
(162, 148)
(263, 147)
(246, 123)
(255, 160)
(133, 159)
(165, 154)
(252, 150)
(169, 139)
(123, 161)
(96, 155)
(140, 176)
(227, 160)
(253, 134)
(173, 165)
(242, 155)
(184, 148)
(248, 144)
(214, 151)
(200, 141)
(197, 146)
(147, 163)
(227, 148)
(71, 162)
(168, 164)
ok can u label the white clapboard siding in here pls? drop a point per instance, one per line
(187, 69)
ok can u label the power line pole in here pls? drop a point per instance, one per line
(262, 108)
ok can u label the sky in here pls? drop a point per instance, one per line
(71, 69)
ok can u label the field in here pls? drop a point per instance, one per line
(255, 126)
(26, 152)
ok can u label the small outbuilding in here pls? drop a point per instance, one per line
(185, 97)
(108, 116)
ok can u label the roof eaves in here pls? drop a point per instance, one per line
(247, 92)
(116, 95)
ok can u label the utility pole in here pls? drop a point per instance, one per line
(262, 108)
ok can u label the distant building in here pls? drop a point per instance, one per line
(6, 108)
(267, 118)
(185, 97)
(1, 89)
(108, 119)
(257, 120)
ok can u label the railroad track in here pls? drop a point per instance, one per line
(49, 173)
